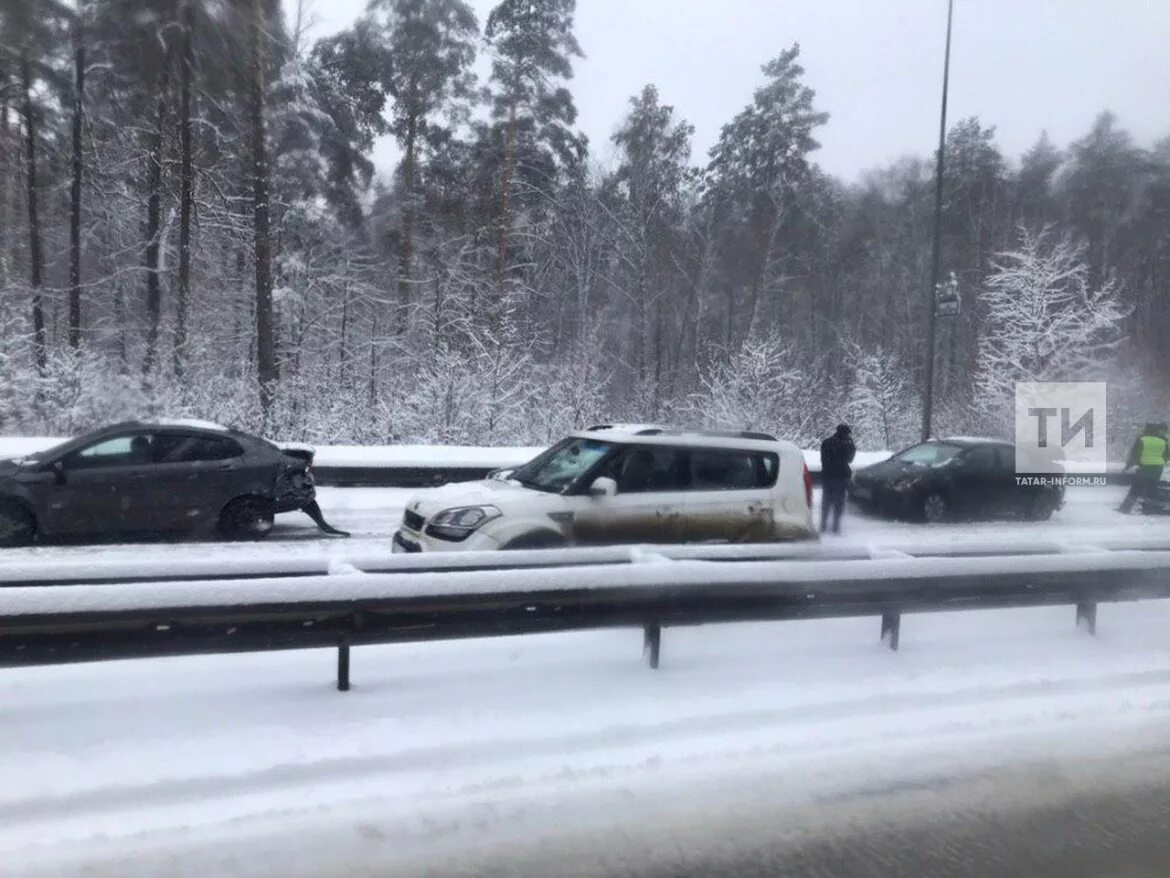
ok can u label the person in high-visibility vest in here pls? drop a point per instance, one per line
(1147, 459)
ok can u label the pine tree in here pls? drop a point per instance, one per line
(756, 167)
(267, 372)
(650, 182)
(531, 134)
(1035, 205)
(418, 54)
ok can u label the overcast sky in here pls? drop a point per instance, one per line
(876, 65)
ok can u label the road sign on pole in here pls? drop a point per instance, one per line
(946, 297)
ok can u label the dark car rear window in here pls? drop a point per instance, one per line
(191, 449)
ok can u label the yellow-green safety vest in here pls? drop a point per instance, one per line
(1153, 451)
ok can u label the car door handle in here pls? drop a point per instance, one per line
(224, 467)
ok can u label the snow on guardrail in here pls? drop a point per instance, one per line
(835, 576)
(263, 562)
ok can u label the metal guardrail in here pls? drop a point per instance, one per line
(77, 624)
(264, 563)
(396, 476)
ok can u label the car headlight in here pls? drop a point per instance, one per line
(460, 522)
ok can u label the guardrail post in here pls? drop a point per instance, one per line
(891, 628)
(1087, 616)
(343, 665)
(651, 643)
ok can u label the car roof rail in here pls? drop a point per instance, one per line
(647, 430)
(714, 434)
(631, 429)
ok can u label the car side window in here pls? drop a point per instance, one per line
(726, 470)
(642, 469)
(173, 448)
(982, 458)
(127, 450)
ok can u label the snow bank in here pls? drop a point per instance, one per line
(812, 459)
(422, 456)
(339, 455)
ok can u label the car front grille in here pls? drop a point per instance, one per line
(412, 520)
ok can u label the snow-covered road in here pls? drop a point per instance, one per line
(563, 754)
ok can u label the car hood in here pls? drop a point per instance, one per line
(889, 470)
(505, 496)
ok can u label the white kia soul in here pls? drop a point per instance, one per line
(623, 484)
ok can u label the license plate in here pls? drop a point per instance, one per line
(405, 544)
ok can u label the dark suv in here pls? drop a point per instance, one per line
(143, 477)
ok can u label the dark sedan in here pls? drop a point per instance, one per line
(145, 478)
(953, 479)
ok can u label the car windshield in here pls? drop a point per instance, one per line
(560, 466)
(928, 454)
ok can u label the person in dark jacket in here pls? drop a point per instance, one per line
(836, 454)
(1147, 459)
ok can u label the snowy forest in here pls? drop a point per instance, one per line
(191, 224)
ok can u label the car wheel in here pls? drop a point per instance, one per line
(246, 518)
(536, 541)
(17, 525)
(1041, 508)
(935, 509)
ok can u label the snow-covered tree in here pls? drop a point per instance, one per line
(883, 404)
(759, 386)
(1045, 321)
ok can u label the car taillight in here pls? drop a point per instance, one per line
(808, 486)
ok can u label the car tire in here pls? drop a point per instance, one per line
(1041, 508)
(18, 527)
(935, 509)
(535, 541)
(246, 518)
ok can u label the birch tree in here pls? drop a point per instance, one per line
(1046, 321)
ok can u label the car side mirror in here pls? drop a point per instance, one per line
(603, 486)
(57, 468)
(501, 475)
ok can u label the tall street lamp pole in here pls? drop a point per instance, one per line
(932, 290)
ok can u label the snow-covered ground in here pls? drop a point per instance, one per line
(502, 756)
